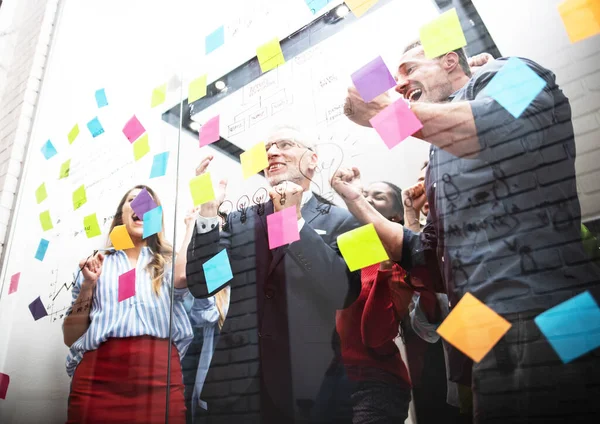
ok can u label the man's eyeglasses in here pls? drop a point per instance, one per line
(283, 145)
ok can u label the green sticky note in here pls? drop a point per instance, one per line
(202, 189)
(270, 55)
(46, 221)
(159, 94)
(65, 168)
(197, 89)
(90, 224)
(79, 197)
(361, 247)
(442, 35)
(73, 133)
(141, 147)
(40, 193)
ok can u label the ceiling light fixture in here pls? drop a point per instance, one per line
(220, 85)
(342, 11)
(195, 126)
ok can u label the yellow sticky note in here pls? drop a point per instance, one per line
(90, 224)
(141, 147)
(202, 189)
(79, 197)
(40, 193)
(65, 168)
(270, 55)
(46, 221)
(197, 89)
(360, 7)
(254, 160)
(473, 328)
(120, 238)
(361, 247)
(581, 18)
(159, 94)
(442, 35)
(73, 133)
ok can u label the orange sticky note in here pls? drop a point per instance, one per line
(120, 238)
(360, 7)
(254, 160)
(581, 18)
(473, 328)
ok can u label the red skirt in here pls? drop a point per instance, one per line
(125, 381)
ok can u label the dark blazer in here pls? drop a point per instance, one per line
(275, 344)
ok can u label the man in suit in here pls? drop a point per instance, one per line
(276, 342)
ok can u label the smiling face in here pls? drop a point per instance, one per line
(133, 223)
(383, 199)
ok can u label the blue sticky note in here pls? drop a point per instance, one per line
(101, 98)
(41, 250)
(515, 86)
(215, 39)
(48, 149)
(573, 327)
(159, 165)
(95, 127)
(153, 221)
(37, 309)
(217, 271)
(316, 5)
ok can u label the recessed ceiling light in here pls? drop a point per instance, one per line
(220, 85)
(342, 11)
(194, 126)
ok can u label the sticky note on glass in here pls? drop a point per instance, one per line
(360, 7)
(215, 39)
(141, 147)
(101, 98)
(133, 129)
(361, 247)
(316, 5)
(254, 160)
(48, 149)
(14, 283)
(95, 127)
(40, 193)
(515, 86)
(395, 123)
(4, 382)
(73, 133)
(159, 165)
(126, 285)
(209, 133)
(159, 94)
(40, 253)
(37, 309)
(202, 189)
(217, 271)
(153, 221)
(197, 89)
(46, 221)
(581, 18)
(270, 55)
(573, 327)
(79, 197)
(65, 169)
(442, 35)
(373, 79)
(142, 203)
(120, 238)
(473, 328)
(282, 227)
(90, 224)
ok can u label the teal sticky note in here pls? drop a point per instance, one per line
(159, 165)
(153, 221)
(48, 150)
(316, 5)
(215, 39)
(572, 327)
(41, 250)
(101, 100)
(95, 127)
(515, 86)
(217, 271)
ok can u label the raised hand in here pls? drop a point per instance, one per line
(209, 209)
(346, 182)
(479, 60)
(91, 268)
(190, 217)
(414, 197)
(286, 194)
(359, 111)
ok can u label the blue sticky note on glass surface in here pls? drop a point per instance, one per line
(159, 165)
(48, 149)
(41, 250)
(316, 5)
(37, 309)
(215, 39)
(95, 127)
(515, 86)
(101, 98)
(217, 271)
(573, 327)
(153, 221)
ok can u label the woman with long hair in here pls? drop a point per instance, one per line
(120, 348)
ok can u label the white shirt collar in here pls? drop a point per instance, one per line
(306, 196)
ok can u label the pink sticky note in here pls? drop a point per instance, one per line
(4, 380)
(209, 133)
(14, 283)
(283, 227)
(133, 129)
(395, 123)
(127, 285)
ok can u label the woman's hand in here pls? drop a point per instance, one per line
(191, 216)
(91, 268)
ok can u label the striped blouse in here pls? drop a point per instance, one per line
(144, 314)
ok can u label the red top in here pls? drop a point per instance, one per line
(367, 328)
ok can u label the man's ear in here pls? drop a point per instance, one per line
(313, 159)
(450, 61)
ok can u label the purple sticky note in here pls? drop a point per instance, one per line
(373, 79)
(14, 283)
(37, 309)
(395, 123)
(4, 382)
(142, 203)
(283, 227)
(209, 133)
(127, 285)
(133, 129)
